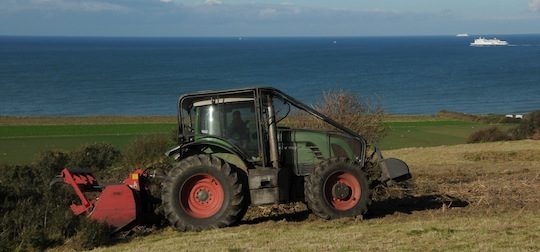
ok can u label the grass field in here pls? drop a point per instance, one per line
(474, 197)
(21, 139)
(21, 143)
(402, 134)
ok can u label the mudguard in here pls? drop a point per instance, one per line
(178, 151)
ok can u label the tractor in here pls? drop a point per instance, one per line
(232, 154)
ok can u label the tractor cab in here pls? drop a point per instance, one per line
(246, 122)
(221, 122)
(231, 119)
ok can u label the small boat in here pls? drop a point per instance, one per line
(488, 42)
(462, 35)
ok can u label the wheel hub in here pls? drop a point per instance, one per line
(203, 195)
(341, 191)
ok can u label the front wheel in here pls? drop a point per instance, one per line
(337, 188)
(202, 192)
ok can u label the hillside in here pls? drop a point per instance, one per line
(464, 197)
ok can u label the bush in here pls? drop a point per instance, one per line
(490, 134)
(35, 216)
(146, 151)
(344, 107)
(91, 234)
(517, 133)
(362, 116)
(536, 136)
(95, 157)
(529, 127)
(52, 162)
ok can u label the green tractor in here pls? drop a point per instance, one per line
(232, 154)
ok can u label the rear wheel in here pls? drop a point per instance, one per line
(202, 192)
(337, 188)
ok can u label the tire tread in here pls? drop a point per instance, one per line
(231, 215)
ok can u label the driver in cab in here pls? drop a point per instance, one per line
(237, 130)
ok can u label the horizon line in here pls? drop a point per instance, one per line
(264, 36)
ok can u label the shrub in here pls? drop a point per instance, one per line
(146, 151)
(35, 216)
(529, 127)
(490, 134)
(52, 162)
(344, 107)
(94, 157)
(536, 135)
(91, 234)
(517, 133)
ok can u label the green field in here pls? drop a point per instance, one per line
(21, 143)
(427, 133)
(22, 140)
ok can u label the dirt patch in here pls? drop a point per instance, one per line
(290, 212)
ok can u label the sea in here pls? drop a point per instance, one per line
(80, 76)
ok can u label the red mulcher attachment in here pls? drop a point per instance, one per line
(117, 205)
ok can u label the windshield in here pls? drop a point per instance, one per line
(234, 121)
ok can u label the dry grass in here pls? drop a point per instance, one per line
(494, 177)
(509, 232)
(479, 197)
(411, 118)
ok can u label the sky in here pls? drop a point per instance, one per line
(194, 18)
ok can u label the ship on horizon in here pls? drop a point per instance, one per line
(462, 35)
(488, 42)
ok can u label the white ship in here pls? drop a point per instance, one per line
(488, 42)
(462, 35)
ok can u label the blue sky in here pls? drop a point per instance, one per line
(267, 18)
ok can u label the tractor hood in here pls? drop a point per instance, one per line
(303, 149)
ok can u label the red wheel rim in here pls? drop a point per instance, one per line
(201, 196)
(348, 183)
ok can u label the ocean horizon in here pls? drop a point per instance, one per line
(80, 76)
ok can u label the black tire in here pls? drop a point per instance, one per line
(328, 174)
(188, 175)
